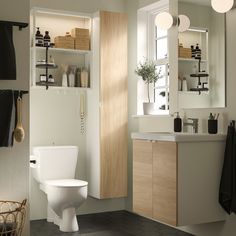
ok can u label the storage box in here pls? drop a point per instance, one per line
(185, 52)
(80, 32)
(64, 42)
(82, 43)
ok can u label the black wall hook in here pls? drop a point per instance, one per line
(21, 25)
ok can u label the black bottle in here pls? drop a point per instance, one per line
(177, 123)
(46, 39)
(198, 52)
(38, 38)
(193, 51)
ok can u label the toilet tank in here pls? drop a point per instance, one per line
(54, 162)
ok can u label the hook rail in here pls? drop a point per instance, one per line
(21, 25)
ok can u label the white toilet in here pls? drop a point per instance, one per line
(54, 168)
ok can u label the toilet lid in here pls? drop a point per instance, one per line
(66, 183)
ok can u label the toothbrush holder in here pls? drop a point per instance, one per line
(212, 126)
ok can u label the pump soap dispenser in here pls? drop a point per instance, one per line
(177, 123)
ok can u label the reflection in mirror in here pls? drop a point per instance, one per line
(201, 63)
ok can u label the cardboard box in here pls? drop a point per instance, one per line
(64, 42)
(82, 43)
(185, 52)
(80, 32)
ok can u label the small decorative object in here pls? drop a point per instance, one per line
(147, 70)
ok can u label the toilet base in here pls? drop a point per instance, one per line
(68, 221)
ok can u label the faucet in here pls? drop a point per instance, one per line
(194, 124)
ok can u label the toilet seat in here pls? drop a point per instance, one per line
(67, 183)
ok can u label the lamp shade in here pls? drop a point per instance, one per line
(164, 20)
(184, 23)
(222, 6)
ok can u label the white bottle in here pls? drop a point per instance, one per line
(64, 80)
(71, 79)
(64, 76)
(184, 85)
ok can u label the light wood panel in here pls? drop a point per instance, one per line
(113, 100)
(165, 182)
(142, 177)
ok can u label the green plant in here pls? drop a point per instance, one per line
(147, 70)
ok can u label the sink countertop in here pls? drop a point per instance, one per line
(179, 137)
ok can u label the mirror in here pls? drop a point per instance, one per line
(201, 59)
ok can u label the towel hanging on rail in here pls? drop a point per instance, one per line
(7, 53)
(7, 117)
(227, 192)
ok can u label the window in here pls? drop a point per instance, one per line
(158, 51)
(153, 44)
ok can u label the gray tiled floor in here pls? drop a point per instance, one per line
(119, 223)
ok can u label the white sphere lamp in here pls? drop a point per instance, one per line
(222, 6)
(184, 23)
(164, 20)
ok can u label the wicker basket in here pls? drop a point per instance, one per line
(12, 217)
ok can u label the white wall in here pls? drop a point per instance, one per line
(55, 117)
(166, 124)
(14, 162)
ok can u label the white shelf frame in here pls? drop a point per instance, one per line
(88, 54)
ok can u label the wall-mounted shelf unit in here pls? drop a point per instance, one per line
(58, 23)
(195, 70)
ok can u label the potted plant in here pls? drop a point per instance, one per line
(147, 71)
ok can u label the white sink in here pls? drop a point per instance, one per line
(179, 137)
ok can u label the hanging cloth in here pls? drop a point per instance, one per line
(6, 117)
(226, 192)
(7, 53)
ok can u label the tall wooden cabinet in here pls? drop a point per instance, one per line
(107, 103)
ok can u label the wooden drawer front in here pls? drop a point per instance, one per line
(142, 177)
(165, 182)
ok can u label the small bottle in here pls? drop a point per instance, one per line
(46, 39)
(198, 52)
(71, 79)
(177, 123)
(51, 60)
(38, 38)
(184, 85)
(51, 79)
(193, 51)
(84, 78)
(64, 82)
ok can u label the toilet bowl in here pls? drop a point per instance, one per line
(54, 169)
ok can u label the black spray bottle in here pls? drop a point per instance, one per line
(177, 123)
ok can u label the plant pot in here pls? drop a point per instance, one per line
(148, 108)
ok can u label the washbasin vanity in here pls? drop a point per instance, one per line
(176, 177)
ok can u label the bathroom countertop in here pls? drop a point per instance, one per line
(179, 137)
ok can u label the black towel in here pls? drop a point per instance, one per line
(7, 53)
(226, 192)
(6, 108)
